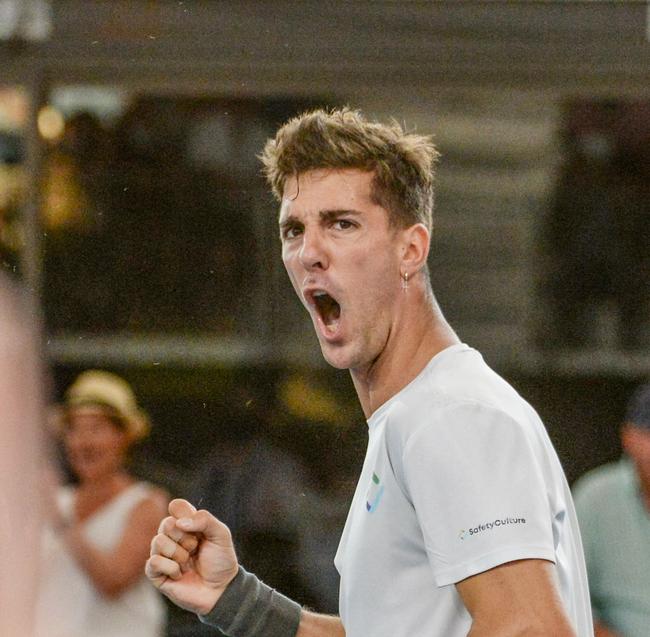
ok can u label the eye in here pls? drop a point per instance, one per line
(343, 224)
(291, 232)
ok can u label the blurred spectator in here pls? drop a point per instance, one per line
(93, 580)
(333, 445)
(21, 458)
(598, 228)
(613, 505)
(255, 488)
(323, 511)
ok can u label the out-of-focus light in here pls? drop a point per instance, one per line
(50, 123)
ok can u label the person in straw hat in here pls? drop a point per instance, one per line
(94, 583)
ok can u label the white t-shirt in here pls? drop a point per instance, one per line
(459, 477)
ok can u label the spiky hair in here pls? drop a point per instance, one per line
(403, 163)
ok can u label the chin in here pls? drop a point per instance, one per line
(333, 358)
(84, 474)
(339, 357)
(89, 473)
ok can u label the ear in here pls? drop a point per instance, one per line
(415, 248)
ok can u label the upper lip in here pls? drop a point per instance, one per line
(310, 291)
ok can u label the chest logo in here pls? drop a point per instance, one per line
(373, 496)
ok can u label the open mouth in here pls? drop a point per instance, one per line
(328, 309)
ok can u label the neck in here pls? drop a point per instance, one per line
(416, 337)
(106, 483)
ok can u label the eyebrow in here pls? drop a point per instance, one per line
(325, 215)
(290, 221)
(328, 215)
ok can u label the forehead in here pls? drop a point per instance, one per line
(327, 189)
(88, 414)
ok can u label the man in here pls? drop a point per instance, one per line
(613, 504)
(462, 522)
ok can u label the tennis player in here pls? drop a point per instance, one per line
(462, 522)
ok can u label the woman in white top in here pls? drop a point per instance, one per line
(93, 582)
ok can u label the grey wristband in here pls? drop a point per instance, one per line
(250, 608)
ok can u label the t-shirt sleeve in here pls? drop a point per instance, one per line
(478, 491)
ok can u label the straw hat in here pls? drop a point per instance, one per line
(107, 391)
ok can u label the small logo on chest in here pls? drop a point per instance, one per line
(374, 493)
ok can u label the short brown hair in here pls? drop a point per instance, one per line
(403, 162)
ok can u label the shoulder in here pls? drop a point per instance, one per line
(461, 382)
(149, 502)
(445, 416)
(456, 398)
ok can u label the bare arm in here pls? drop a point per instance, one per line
(517, 599)
(315, 625)
(113, 572)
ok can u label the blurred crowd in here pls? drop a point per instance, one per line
(69, 493)
(69, 488)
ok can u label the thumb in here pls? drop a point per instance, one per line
(180, 508)
(204, 522)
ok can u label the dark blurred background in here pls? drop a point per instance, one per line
(133, 210)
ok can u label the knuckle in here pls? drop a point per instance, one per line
(171, 551)
(150, 566)
(154, 544)
(157, 561)
(189, 543)
(202, 515)
(157, 543)
(180, 554)
(166, 524)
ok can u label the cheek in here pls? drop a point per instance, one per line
(118, 443)
(377, 261)
(109, 443)
(378, 283)
(292, 269)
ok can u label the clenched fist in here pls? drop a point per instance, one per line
(192, 558)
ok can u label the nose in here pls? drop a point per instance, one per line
(312, 254)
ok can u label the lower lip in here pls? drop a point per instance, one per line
(329, 333)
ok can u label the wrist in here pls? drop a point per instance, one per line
(215, 594)
(249, 608)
